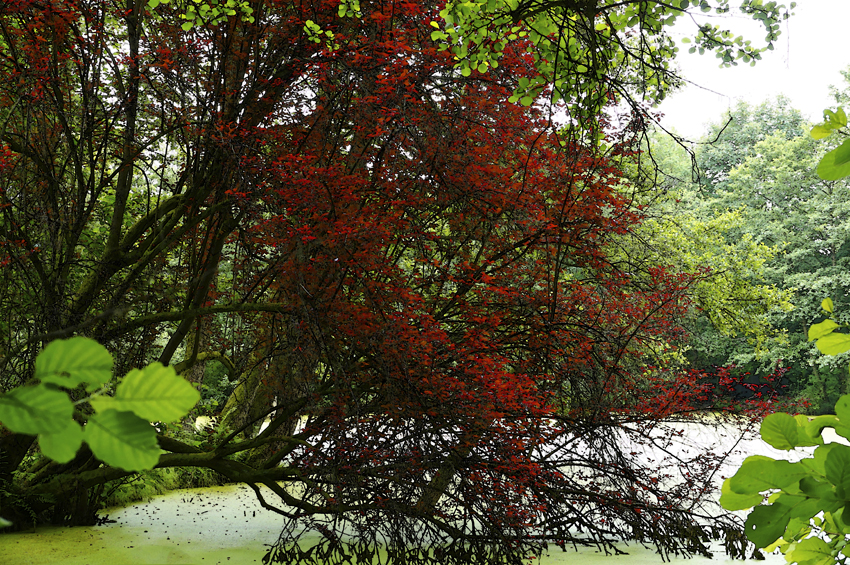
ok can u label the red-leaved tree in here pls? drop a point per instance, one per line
(411, 280)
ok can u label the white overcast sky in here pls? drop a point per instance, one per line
(813, 48)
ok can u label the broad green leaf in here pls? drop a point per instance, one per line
(123, 440)
(837, 470)
(813, 487)
(72, 362)
(816, 426)
(827, 305)
(758, 474)
(797, 529)
(842, 409)
(804, 438)
(835, 119)
(820, 132)
(824, 328)
(155, 393)
(834, 521)
(835, 165)
(35, 410)
(766, 524)
(810, 551)
(833, 344)
(817, 463)
(63, 445)
(779, 544)
(780, 431)
(733, 501)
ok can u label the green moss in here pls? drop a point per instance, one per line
(148, 484)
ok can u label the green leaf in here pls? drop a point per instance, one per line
(63, 445)
(817, 463)
(758, 474)
(821, 131)
(835, 165)
(72, 362)
(827, 305)
(837, 470)
(810, 551)
(824, 328)
(766, 524)
(152, 4)
(804, 438)
(797, 529)
(779, 544)
(155, 393)
(731, 500)
(842, 409)
(35, 410)
(123, 440)
(815, 488)
(780, 431)
(835, 120)
(834, 521)
(834, 343)
(816, 426)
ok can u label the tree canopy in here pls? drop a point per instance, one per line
(758, 185)
(432, 297)
(798, 507)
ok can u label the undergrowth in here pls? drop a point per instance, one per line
(148, 484)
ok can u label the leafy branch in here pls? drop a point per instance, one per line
(119, 431)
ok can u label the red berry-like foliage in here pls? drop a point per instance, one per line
(426, 288)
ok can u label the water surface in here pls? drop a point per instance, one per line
(228, 525)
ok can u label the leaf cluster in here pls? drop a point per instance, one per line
(416, 282)
(799, 507)
(789, 497)
(622, 45)
(120, 431)
(199, 13)
(835, 164)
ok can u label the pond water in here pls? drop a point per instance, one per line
(228, 525)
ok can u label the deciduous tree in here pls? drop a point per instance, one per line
(412, 279)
